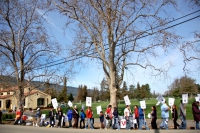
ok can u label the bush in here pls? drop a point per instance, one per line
(8, 116)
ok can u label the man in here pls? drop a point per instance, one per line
(182, 115)
(126, 116)
(142, 120)
(51, 116)
(89, 116)
(164, 115)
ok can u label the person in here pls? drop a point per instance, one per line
(126, 116)
(142, 120)
(18, 117)
(82, 115)
(154, 117)
(116, 118)
(38, 116)
(175, 116)
(59, 114)
(1, 114)
(89, 116)
(196, 114)
(108, 115)
(136, 125)
(75, 116)
(101, 117)
(164, 115)
(182, 115)
(70, 115)
(51, 117)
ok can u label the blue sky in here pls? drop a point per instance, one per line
(93, 75)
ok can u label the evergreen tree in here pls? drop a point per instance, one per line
(131, 91)
(63, 94)
(124, 89)
(70, 97)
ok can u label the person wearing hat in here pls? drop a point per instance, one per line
(38, 116)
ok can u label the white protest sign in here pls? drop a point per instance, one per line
(127, 101)
(198, 95)
(43, 117)
(54, 103)
(143, 104)
(197, 99)
(99, 109)
(171, 101)
(70, 104)
(149, 115)
(123, 123)
(89, 101)
(185, 98)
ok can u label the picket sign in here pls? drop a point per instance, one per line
(70, 104)
(99, 109)
(54, 103)
(89, 101)
(197, 99)
(143, 104)
(127, 101)
(171, 101)
(185, 98)
(123, 123)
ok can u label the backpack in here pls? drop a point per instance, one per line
(140, 112)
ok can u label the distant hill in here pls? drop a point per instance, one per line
(11, 81)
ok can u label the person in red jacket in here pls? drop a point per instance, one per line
(136, 116)
(196, 113)
(18, 116)
(89, 116)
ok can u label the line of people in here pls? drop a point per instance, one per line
(112, 120)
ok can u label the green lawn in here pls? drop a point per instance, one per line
(149, 104)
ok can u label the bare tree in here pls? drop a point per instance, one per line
(24, 42)
(112, 31)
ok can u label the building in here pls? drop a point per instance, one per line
(34, 98)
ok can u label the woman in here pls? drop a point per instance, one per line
(59, 116)
(196, 113)
(175, 116)
(153, 117)
(136, 116)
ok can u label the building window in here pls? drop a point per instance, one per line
(1, 93)
(8, 93)
(0, 104)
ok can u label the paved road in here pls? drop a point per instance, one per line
(30, 129)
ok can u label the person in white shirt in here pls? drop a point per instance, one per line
(126, 116)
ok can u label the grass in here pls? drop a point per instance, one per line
(149, 104)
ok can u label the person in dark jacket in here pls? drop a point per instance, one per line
(101, 117)
(51, 117)
(59, 116)
(75, 116)
(196, 113)
(153, 117)
(175, 116)
(116, 119)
